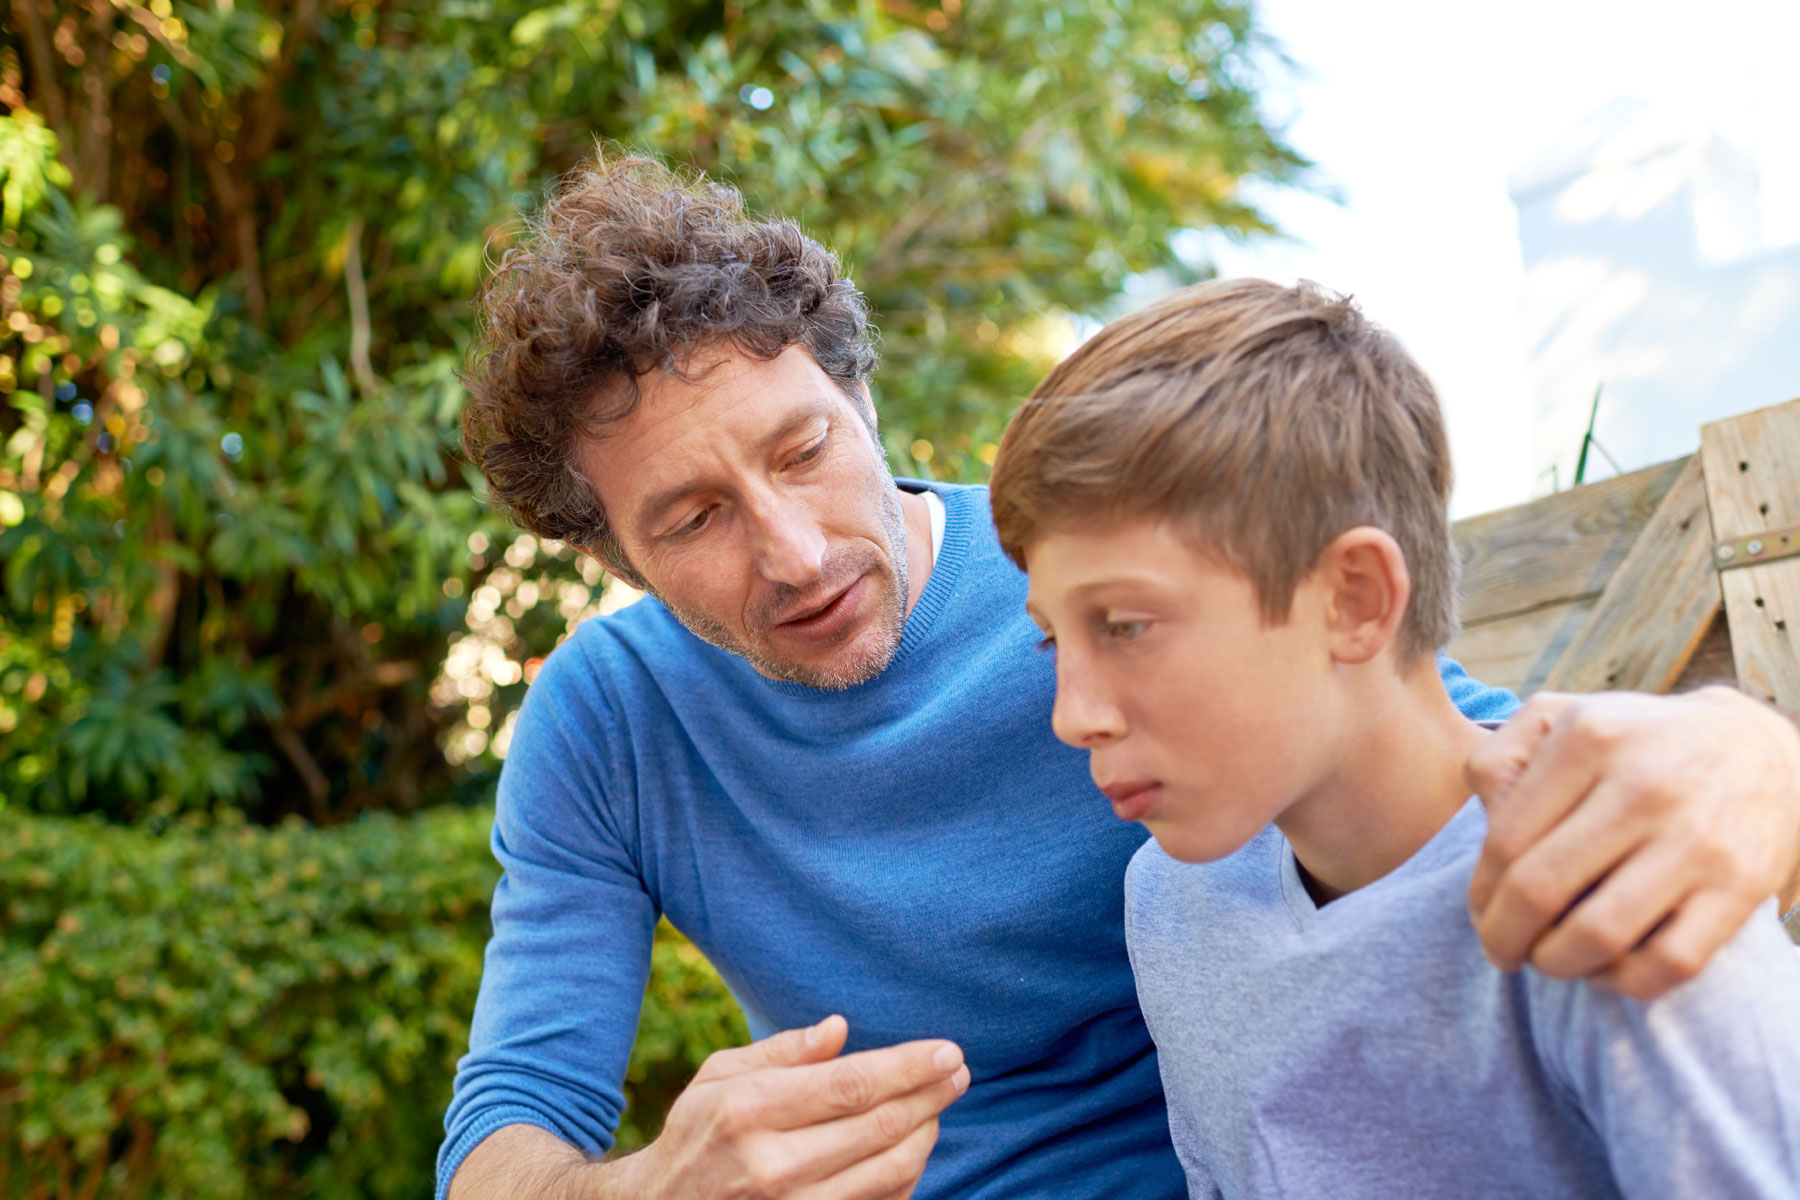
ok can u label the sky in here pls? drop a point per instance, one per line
(1415, 112)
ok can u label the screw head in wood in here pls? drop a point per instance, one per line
(1725, 553)
(1755, 546)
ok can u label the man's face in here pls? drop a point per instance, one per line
(753, 500)
(1199, 719)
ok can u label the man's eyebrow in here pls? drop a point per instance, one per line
(653, 509)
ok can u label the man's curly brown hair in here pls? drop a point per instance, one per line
(631, 268)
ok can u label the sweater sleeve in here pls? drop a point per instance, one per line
(1696, 1093)
(1477, 700)
(569, 958)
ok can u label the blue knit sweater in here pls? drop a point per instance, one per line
(917, 853)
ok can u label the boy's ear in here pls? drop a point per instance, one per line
(1366, 591)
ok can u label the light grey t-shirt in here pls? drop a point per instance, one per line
(1366, 1049)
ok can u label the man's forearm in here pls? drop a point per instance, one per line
(523, 1162)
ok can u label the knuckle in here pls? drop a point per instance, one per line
(1505, 842)
(1592, 732)
(770, 1175)
(851, 1086)
(1534, 889)
(738, 1111)
(902, 1170)
(890, 1124)
(1632, 981)
(1542, 706)
(1677, 964)
(1601, 936)
(1652, 794)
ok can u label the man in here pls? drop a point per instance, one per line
(823, 750)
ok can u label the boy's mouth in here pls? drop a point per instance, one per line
(1132, 799)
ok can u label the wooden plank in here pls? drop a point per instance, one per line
(1712, 661)
(1558, 548)
(1753, 484)
(1518, 651)
(1656, 607)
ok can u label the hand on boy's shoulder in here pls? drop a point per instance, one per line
(1630, 836)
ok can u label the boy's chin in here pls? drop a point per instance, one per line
(1200, 841)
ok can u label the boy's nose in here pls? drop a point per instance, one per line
(1083, 715)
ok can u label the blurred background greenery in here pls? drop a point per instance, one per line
(261, 644)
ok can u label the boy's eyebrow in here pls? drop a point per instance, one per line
(1083, 590)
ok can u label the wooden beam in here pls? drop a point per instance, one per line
(1712, 662)
(1657, 606)
(1753, 485)
(1516, 652)
(1560, 548)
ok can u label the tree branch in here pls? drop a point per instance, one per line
(359, 307)
(43, 67)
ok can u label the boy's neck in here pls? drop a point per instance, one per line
(1397, 781)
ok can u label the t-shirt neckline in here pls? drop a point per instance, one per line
(949, 552)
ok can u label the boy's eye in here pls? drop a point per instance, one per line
(1123, 631)
(1046, 643)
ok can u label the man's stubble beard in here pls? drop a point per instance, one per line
(884, 637)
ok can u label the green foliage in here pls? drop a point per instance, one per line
(237, 246)
(244, 576)
(219, 1010)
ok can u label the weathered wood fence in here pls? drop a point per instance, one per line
(1672, 577)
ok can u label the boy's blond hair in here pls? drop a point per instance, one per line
(1262, 421)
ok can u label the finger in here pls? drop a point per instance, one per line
(1540, 887)
(890, 1175)
(789, 1048)
(818, 1092)
(1561, 768)
(1675, 953)
(1501, 757)
(1619, 912)
(820, 1151)
(1494, 768)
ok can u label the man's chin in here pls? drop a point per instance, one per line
(847, 666)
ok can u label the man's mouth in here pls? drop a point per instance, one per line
(828, 619)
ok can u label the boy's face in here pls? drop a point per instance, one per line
(1200, 720)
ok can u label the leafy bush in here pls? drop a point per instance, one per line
(237, 247)
(221, 1011)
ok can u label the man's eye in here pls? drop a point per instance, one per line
(808, 454)
(697, 524)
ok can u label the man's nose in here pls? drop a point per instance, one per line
(1084, 714)
(789, 545)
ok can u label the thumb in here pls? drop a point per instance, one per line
(1494, 769)
(1496, 764)
(789, 1048)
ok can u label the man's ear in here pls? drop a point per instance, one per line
(1367, 588)
(616, 570)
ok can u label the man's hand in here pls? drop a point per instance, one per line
(1630, 835)
(781, 1119)
(787, 1118)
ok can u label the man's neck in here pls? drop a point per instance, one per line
(916, 511)
(1398, 781)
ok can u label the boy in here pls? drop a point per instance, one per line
(1233, 510)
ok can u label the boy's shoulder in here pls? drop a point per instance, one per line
(1749, 986)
